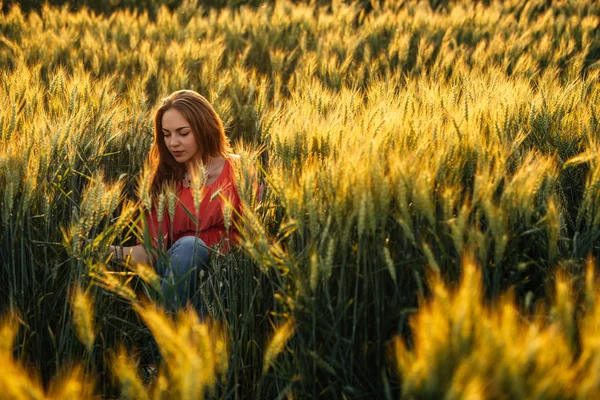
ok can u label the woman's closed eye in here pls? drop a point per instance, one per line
(168, 134)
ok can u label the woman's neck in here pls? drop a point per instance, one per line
(205, 173)
(192, 164)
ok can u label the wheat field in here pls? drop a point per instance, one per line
(430, 220)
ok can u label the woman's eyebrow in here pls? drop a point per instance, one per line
(176, 130)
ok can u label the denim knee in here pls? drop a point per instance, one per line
(191, 251)
(188, 258)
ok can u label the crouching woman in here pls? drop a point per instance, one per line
(187, 133)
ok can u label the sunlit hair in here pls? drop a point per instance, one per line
(205, 125)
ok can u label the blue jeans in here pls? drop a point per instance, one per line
(188, 257)
(180, 274)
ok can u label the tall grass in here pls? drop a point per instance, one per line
(463, 348)
(388, 144)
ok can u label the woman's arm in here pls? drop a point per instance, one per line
(135, 254)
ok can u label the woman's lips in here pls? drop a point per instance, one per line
(177, 153)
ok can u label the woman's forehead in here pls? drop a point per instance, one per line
(173, 119)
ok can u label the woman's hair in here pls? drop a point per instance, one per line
(206, 126)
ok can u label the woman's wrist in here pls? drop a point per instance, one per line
(116, 252)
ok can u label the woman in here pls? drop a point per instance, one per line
(187, 133)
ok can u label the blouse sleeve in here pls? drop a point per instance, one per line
(235, 210)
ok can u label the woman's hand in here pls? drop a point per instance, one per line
(132, 254)
(116, 252)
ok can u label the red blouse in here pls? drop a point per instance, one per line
(211, 221)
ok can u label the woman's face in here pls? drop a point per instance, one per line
(179, 137)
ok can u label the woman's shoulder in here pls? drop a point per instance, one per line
(234, 160)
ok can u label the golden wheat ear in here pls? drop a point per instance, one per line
(124, 369)
(83, 311)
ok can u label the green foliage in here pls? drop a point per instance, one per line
(389, 143)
